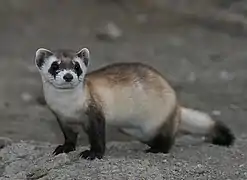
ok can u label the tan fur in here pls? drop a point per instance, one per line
(134, 93)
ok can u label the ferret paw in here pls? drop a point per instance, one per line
(65, 148)
(151, 150)
(155, 151)
(91, 155)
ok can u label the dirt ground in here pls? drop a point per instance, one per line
(125, 161)
(207, 66)
(204, 60)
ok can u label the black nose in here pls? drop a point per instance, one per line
(68, 77)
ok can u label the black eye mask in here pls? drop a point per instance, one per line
(77, 69)
(54, 69)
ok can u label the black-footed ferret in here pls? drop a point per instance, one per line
(133, 97)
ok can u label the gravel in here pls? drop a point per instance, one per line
(126, 160)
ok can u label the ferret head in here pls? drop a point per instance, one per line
(64, 69)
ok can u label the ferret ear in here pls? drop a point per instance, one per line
(84, 55)
(41, 55)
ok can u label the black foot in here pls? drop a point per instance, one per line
(90, 155)
(155, 151)
(160, 144)
(65, 148)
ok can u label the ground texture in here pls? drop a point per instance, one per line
(200, 48)
(32, 160)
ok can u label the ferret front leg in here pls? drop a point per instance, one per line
(95, 129)
(70, 139)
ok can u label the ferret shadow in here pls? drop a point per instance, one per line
(121, 146)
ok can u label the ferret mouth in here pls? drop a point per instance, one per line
(62, 87)
(65, 86)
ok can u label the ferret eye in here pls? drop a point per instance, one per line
(54, 66)
(78, 69)
(77, 66)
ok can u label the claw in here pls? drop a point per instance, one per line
(90, 155)
(65, 148)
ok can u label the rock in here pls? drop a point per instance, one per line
(200, 169)
(226, 76)
(109, 32)
(141, 18)
(216, 112)
(4, 141)
(191, 77)
(36, 174)
(26, 97)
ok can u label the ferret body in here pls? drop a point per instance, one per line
(133, 97)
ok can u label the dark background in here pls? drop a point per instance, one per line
(199, 45)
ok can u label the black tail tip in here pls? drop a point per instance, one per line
(222, 135)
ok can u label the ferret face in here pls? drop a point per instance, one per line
(64, 69)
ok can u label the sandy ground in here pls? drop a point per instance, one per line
(206, 65)
(32, 160)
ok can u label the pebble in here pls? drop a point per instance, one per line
(242, 165)
(4, 141)
(216, 112)
(109, 32)
(226, 76)
(26, 97)
(191, 77)
(141, 18)
(37, 174)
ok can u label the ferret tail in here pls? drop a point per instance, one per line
(195, 122)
